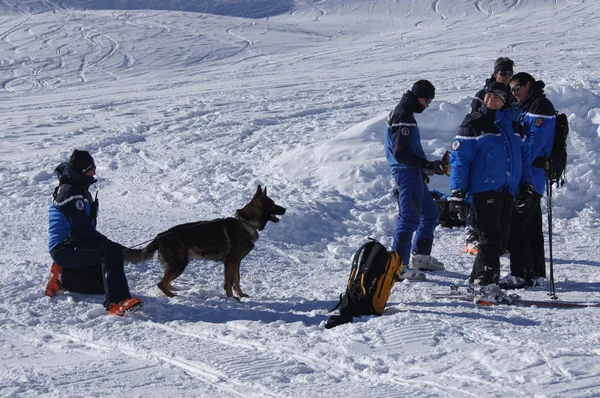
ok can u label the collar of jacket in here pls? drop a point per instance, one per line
(537, 91)
(66, 175)
(410, 103)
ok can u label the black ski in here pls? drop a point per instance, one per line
(512, 299)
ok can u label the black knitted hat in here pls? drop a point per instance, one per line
(499, 89)
(81, 161)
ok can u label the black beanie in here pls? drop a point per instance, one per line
(81, 161)
(421, 91)
(499, 89)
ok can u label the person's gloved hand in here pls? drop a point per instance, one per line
(457, 204)
(434, 167)
(525, 198)
(425, 176)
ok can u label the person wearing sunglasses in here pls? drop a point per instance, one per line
(410, 168)
(85, 261)
(526, 243)
(489, 162)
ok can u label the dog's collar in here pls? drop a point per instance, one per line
(251, 228)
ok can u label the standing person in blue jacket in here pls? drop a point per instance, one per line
(409, 166)
(488, 161)
(503, 71)
(526, 244)
(75, 244)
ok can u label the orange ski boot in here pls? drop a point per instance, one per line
(55, 283)
(125, 306)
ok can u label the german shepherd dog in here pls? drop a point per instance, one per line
(226, 240)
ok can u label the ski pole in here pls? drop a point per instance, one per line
(552, 293)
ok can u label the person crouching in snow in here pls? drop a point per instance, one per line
(489, 161)
(77, 248)
(409, 166)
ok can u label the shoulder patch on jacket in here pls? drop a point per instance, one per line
(405, 131)
(539, 122)
(455, 145)
(79, 204)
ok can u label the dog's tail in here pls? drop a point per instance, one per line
(135, 256)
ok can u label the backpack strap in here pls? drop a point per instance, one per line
(372, 255)
(342, 298)
(336, 320)
(354, 269)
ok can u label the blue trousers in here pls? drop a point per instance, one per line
(417, 213)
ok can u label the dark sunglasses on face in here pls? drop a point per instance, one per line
(516, 88)
(506, 73)
(428, 100)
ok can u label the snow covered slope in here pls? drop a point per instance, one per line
(186, 106)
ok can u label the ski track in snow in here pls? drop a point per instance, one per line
(186, 110)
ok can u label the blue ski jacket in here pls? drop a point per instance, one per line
(488, 155)
(403, 140)
(538, 118)
(72, 212)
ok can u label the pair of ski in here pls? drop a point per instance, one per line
(500, 297)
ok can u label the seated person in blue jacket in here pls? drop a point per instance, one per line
(489, 161)
(75, 245)
(409, 166)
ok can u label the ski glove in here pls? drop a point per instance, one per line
(457, 205)
(434, 167)
(524, 200)
(425, 176)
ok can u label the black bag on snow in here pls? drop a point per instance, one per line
(447, 218)
(373, 274)
(86, 280)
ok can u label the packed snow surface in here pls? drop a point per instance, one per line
(188, 106)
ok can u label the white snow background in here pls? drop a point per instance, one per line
(188, 105)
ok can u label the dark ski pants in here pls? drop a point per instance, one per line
(493, 211)
(471, 220)
(526, 243)
(108, 254)
(417, 212)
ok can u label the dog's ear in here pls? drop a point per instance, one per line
(265, 191)
(258, 192)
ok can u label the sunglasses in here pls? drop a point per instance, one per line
(506, 73)
(428, 100)
(516, 88)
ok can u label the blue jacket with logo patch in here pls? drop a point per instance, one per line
(488, 155)
(403, 140)
(538, 118)
(73, 212)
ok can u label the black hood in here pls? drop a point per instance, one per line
(489, 81)
(537, 91)
(66, 175)
(410, 103)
